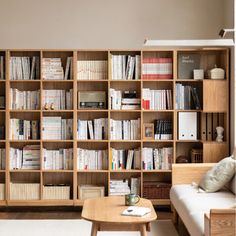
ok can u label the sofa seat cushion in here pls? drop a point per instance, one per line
(191, 205)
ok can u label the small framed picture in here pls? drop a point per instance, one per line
(148, 131)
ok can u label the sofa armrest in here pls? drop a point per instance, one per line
(220, 222)
(188, 173)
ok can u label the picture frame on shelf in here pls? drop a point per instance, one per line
(148, 131)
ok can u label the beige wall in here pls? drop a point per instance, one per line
(107, 23)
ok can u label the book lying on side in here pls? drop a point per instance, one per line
(136, 211)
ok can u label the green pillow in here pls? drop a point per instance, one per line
(219, 175)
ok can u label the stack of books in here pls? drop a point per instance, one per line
(28, 158)
(187, 97)
(2, 65)
(124, 101)
(24, 99)
(54, 127)
(157, 68)
(163, 129)
(24, 129)
(157, 158)
(119, 187)
(96, 129)
(126, 67)
(57, 99)
(52, 69)
(24, 68)
(125, 159)
(92, 70)
(125, 129)
(157, 99)
(60, 159)
(2, 158)
(92, 159)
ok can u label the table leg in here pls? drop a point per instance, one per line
(143, 231)
(94, 229)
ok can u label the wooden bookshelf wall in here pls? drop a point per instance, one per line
(214, 95)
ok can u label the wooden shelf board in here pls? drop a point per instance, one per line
(188, 141)
(124, 111)
(2, 171)
(24, 111)
(125, 171)
(40, 202)
(25, 81)
(92, 141)
(188, 80)
(125, 141)
(79, 202)
(92, 110)
(57, 141)
(147, 111)
(124, 81)
(57, 81)
(189, 110)
(157, 80)
(57, 171)
(24, 171)
(156, 171)
(92, 171)
(92, 80)
(2, 140)
(214, 142)
(158, 141)
(24, 141)
(59, 111)
(3, 202)
(2, 110)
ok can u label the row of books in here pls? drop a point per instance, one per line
(187, 97)
(126, 67)
(96, 129)
(92, 159)
(125, 129)
(56, 99)
(24, 68)
(125, 159)
(122, 187)
(27, 158)
(61, 159)
(55, 127)
(92, 70)
(157, 68)
(157, 158)
(2, 66)
(2, 158)
(52, 69)
(24, 99)
(126, 100)
(163, 129)
(24, 129)
(157, 99)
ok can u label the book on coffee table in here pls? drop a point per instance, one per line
(136, 211)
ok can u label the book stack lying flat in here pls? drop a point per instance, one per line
(96, 129)
(54, 127)
(163, 129)
(24, 129)
(2, 159)
(52, 69)
(24, 99)
(124, 101)
(58, 99)
(157, 99)
(28, 158)
(2, 65)
(125, 129)
(157, 158)
(24, 68)
(92, 159)
(187, 97)
(119, 187)
(61, 159)
(157, 68)
(125, 159)
(92, 70)
(126, 67)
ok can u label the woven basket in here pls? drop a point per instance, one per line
(156, 190)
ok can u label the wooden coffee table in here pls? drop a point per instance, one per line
(105, 214)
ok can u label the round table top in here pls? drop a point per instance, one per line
(109, 209)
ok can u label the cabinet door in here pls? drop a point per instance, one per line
(214, 152)
(215, 96)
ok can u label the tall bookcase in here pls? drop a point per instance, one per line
(214, 99)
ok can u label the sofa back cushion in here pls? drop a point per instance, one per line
(232, 185)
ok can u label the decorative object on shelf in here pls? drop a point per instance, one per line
(182, 159)
(198, 74)
(46, 106)
(216, 73)
(148, 131)
(220, 136)
(92, 99)
(52, 106)
(196, 155)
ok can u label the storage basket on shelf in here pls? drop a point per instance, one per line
(24, 191)
(156, 190)
(196, 155)
(56, 192)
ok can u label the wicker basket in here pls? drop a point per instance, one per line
(196, 156)
(56, 192)
(156, 190)
(24, 191)
(2, 191)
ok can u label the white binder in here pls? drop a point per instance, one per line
(187, 123)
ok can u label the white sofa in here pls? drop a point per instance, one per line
(199, 209)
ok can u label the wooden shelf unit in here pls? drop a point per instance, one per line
(212, 92)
